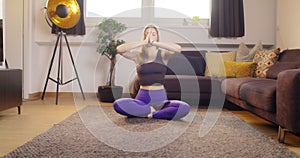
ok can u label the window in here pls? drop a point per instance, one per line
(165, 12)
(105, 8)
(182, 8)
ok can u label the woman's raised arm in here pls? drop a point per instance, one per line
(175, 48)
(123, 48)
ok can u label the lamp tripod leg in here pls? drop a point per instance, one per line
(50, 67)
(59, 69)
(59, 80)
(76, 73)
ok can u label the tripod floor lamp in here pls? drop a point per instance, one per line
(64, 14)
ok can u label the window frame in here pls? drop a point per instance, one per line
(148, 16)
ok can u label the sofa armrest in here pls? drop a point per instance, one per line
(288, 100)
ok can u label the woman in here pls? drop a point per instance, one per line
(151, 100)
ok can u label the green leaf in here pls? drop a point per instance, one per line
(109, 28)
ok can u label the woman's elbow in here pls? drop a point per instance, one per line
(178, 49)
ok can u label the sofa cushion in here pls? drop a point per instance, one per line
(214, 63)
(260, 94)
(181, 64)
(239, 69)
(244, 54)
(264, 59)
(231, 86)
(292, 55)
(279, 66)
(188, 83)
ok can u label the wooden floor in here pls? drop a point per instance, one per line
(39, 115)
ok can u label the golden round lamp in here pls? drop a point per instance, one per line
(63, 13)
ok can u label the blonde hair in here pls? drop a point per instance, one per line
(150, 26)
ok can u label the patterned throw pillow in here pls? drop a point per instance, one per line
(264, 59)
(239, 69)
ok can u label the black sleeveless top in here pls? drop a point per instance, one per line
(152, 73)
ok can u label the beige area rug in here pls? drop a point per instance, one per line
(98, 131)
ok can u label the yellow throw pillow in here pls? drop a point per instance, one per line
(215, 64)
(239, 69)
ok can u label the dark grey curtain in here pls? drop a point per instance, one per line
(78, 29)
(227, 18)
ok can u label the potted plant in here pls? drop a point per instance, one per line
(108, 29)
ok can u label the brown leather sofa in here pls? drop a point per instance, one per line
(275, 98)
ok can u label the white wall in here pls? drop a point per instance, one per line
(1, 9)
(93, 68)
(288, 24)
(13, 45)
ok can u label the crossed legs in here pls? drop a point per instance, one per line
(141, 105)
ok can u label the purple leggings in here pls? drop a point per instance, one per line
(140, 106)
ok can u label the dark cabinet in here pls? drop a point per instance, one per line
(10, 89)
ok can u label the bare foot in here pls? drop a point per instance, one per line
(152, 110)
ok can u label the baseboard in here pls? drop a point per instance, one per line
(34, 96)
(38, 95)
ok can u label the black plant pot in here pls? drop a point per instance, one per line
(109, 93)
